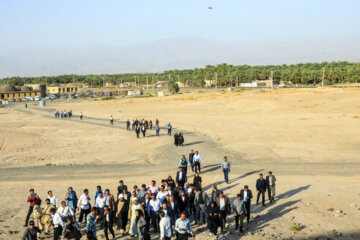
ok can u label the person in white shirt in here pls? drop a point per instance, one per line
(53, 199)
(57, 222)
(197, 160)
(153, 211)
(165, 226)
(65, 211)
(100, 203)
(84, 205)
(111, 120)
(162, 194)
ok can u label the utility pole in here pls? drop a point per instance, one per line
(230, 82)
(135, 80)
(152, 81)
(103, 81)
(322, 82)
(237, 81)
(272, 76)
(216, 83)
(147, 82)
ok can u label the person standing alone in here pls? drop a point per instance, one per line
(225, 166)
(169, 129)
(111, 120)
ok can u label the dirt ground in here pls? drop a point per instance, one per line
(309, 138)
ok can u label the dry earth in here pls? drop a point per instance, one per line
(309, 138)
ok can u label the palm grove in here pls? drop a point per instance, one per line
(226, 75)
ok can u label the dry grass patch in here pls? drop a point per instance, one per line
(296, 227)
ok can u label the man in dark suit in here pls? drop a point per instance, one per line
(261, 189)
(183, 199)
(201, 202)
(108, 221)
(225, 209)
(145, 204)
(246, 195)
(191, 159)
(180, 177)
(214, 193)
(175, 211)
(270, 181)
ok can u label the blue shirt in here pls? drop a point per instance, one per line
(169, 126)
(71, 198)
(225, 165)
(186, 161)
(184, 225)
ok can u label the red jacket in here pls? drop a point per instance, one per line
(32, 200)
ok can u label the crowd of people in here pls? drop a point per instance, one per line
(170, 208)
(62, 114)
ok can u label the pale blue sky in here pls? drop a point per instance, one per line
(55, 37)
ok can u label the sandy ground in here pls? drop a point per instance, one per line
(309, 138)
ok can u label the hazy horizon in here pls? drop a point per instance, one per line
(87, 37)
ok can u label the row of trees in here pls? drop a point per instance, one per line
(302, 74)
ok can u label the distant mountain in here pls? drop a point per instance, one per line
(175, 53)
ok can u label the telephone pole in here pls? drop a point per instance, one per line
(322, 82)
(216, 83)
(272, 81)
(147, 82)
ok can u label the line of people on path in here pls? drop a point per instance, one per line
(62, 114)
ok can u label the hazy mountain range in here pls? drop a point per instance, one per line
(175, 53)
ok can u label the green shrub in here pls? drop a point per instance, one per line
(296, 227)
(107, 98)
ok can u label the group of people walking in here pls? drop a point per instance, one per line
(141, 126)
(62, 114)
(169, 208)
(179, 139)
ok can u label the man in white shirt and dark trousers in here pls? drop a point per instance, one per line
(246, 196)
(100, 204)
(153, 211)
(165, 226)
(225, 166)
(58, 223)
(84, 205)
(197, 160)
